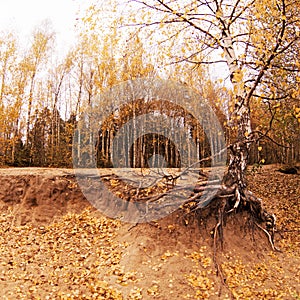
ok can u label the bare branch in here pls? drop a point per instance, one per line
(181, 16)
(271, 97)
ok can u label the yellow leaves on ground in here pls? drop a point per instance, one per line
(102, 290)
(83, 256)
(201, 283)
(135, 293)
(201, 279)
(65, 260)
(126, 190)
(114, 182)
(153, 290)
(258, 281)
(168, 254)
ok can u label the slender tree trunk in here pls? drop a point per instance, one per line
(29, 107)
(239, 151)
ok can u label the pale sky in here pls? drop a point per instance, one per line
(23, 15)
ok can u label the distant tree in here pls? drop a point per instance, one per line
(38, 138)
(43, 38)
(8, 109)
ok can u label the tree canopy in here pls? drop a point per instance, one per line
(242, 55)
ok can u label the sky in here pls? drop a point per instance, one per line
(22, 16)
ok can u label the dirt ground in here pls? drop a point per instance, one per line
(55, 245)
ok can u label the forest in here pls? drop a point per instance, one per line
(157, 157)
(43, 94)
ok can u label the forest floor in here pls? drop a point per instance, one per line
(54, 245)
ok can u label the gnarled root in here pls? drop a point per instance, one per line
(231, 199)
(227, 200)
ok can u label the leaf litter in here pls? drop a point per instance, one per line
(84, 255)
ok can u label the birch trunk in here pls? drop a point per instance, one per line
(239, 151)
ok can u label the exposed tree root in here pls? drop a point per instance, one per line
(228, 200)
(229, 196)
(231, 199)
(218, 234)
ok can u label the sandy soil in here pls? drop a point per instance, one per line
(55, 245)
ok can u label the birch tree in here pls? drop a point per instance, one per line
(252, 39)
(8, 44)
(37, 54)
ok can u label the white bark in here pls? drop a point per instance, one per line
(241, 114)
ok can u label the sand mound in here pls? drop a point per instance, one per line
(39, 196)
(54, 245)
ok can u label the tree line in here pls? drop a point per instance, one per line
(43, 95)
